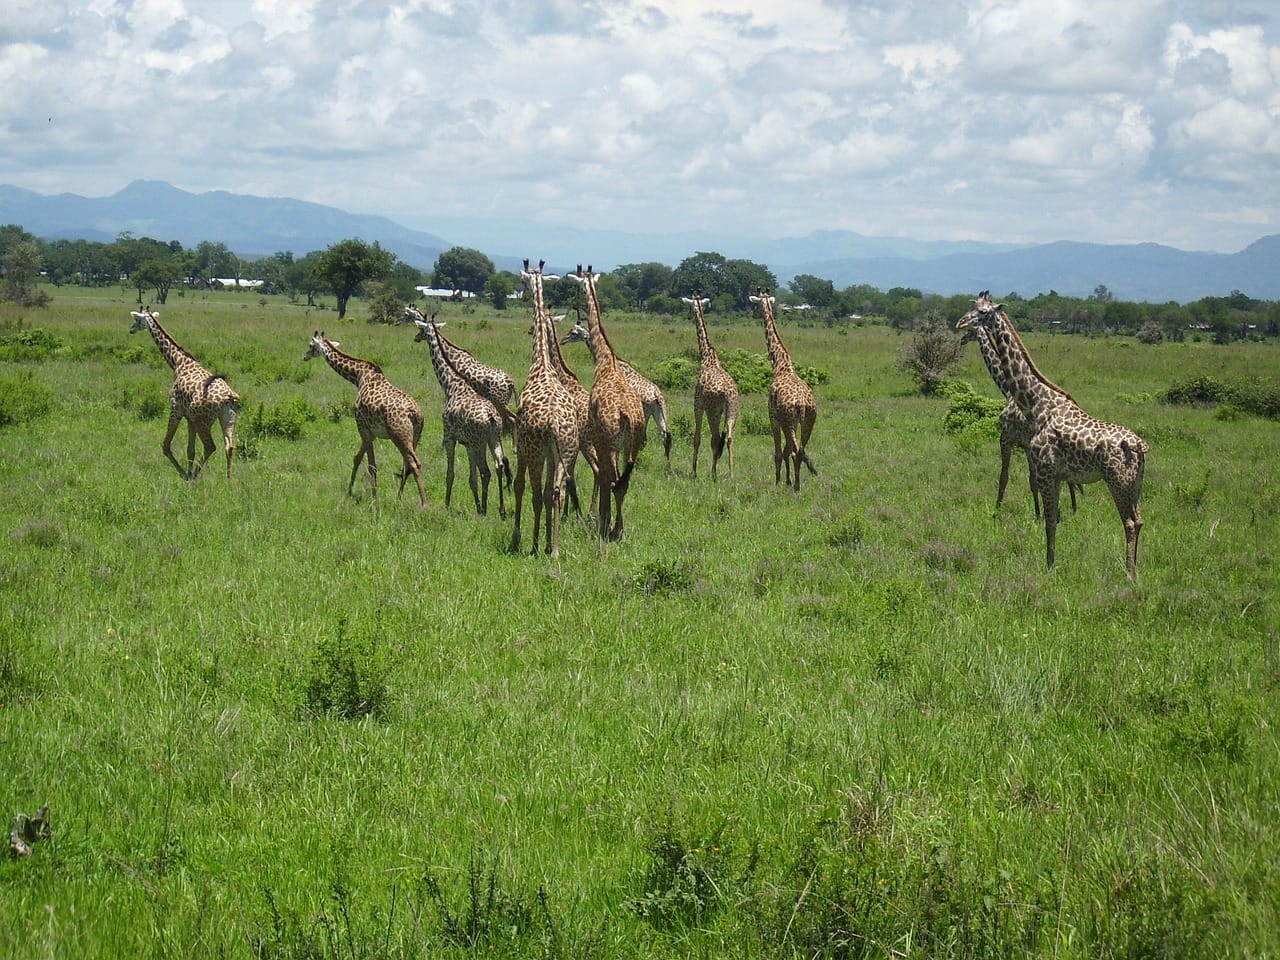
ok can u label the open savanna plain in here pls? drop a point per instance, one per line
(270, 720)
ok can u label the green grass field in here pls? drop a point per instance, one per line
(270, 720)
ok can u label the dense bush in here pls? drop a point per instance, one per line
(1256, 395)
(23, 399)
(30, 346)
(969, 412)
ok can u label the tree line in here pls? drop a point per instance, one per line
(354, 268)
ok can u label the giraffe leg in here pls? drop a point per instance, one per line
(1031, 480)
(660, 421)
(522, 466)
(729, 421)
(227, 415)
(206, 441)
(1006, 452)
(698, 414)
(174, 419)
(366, 448)
(806, 431)
(1127, 494)
(500, 467)
(449, 452)
(412, 465)
(557, 481)
(1050, 494)
(480, 468)
(777, 454)
(191, 449)
(605, 480)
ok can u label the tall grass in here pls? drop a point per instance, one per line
(271, 720)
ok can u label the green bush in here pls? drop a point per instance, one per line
(284, 420)
(345, 681)
(1257, 395)
(30, 346)
(23, 399)
(969, 413)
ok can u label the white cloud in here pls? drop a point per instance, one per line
(1049, 118)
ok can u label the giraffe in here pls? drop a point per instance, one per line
(546, 429)
(471, 420)
(1069, 444)
(493, 384)
(198, 396)
(615, 421)
(715, 396)
(1016, 430)
(382, 411)
(579, 395)
(651, 398)
(792, 408)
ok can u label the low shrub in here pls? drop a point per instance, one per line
(345, 680)
(23, 399)
(1256, 395)
(33, 345)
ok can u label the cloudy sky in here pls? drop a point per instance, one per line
(1008, 120)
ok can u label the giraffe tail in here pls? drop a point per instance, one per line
(804, 458)
(571, 488)
(717, 445)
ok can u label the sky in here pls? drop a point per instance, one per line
(1013, 121)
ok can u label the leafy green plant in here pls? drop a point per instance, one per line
(31, 345)
(491, 919)
(686, 880)
(23, 399)
(345, 680)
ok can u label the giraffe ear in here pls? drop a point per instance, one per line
(706, 302)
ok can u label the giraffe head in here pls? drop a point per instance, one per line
(698, 303)
(982, 312)
(579, 334)
(425, 327)
(411, 315)
(142, 319)
(763, 302)
(318, 347)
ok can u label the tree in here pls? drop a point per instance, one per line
(499, 286)
(343, 267)
(21, 262)
(813, 290)
(462, 268)
(159, 273)
(640, 281)
(934, 351)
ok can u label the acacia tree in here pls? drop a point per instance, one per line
(934, 351)
(161, 273)
(343, 267)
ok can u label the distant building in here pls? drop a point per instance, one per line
(236, 282)
(444, 293)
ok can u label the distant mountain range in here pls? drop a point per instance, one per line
(259, 226)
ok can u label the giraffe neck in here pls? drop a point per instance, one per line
(990, 358)
(542, 330)
(777, 352)
(169, 348)
(1035, 395)
(705, 350)
(597, 342)
(554, 356)
(346, 366)
(448, 377)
